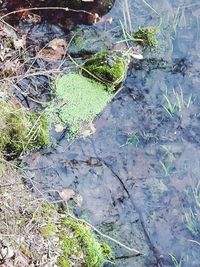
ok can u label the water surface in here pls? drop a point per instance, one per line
(135, 178)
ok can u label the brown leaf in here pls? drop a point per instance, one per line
(55, 49)
(19, 43)
(67, 194)
(137, 56)
(59, 128)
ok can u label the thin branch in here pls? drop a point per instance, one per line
(44, 8)
(106, 236)
(194, 241)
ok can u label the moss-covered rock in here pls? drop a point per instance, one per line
(78, 101)
(21, 130)
(108, 68)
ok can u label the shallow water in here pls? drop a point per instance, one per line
(135, 178)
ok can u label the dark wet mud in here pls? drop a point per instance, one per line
(136, 178)
(67, 14)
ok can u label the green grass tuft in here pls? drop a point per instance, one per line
(146, 36)
(21, 130)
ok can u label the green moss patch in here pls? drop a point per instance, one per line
(82, 242)
(43, 233)
(21, 130)
(146, 37)
(79, 100)
(77, 244)
(107, 68)
(48, 230)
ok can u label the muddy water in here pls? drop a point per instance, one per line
(135, 177)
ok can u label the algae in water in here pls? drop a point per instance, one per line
(79, 100)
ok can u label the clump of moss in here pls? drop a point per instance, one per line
(108, 68)
(82, 241)
(146, 36)
(48, 230)
(79, 100)
(21, 130)
(78, 245)
(54, 237)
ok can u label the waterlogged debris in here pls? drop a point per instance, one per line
(65, 13)
(67, 194)
(54, 237)
(59, 128)
(87, 130)
(88, 40)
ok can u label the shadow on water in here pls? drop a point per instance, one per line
(137, 177)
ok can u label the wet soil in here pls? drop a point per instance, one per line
(80, 12)
(134, 176)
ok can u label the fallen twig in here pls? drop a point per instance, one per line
(44, 8)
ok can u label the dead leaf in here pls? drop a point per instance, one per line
(59, 128)
(67, 194)
(57, 44)
(19, 43)
(93, 18)
(137, 56)
(108, 20)
(21, 260)
(55, 49)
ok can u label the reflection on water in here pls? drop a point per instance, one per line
(138, 175)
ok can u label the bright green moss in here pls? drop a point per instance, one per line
(146, 36)
(78, 245)
(79, 100)
(21, 130)
(107, 67)
(63, 262)
(84, 243)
